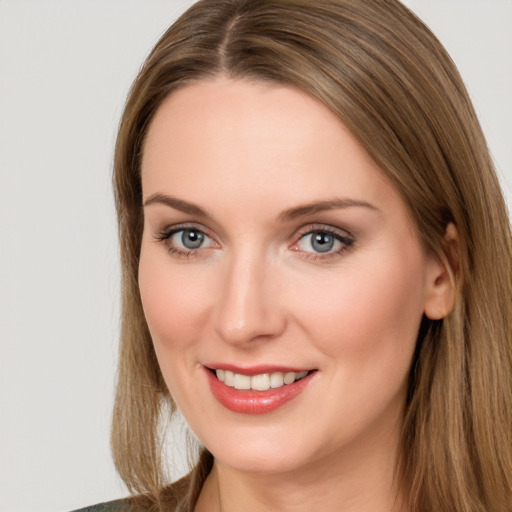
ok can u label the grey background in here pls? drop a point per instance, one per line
(65, 69)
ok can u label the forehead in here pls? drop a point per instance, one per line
(258, 140)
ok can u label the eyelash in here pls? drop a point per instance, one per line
(346, 241)
(165, 236)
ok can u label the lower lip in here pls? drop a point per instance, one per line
(255, 402)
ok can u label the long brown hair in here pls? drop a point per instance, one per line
(390, 81)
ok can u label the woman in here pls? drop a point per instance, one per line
(316, 267)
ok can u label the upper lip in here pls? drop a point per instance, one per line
(256, 369)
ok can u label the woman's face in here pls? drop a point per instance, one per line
(274, 246)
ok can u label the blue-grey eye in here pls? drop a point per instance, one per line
(322, 242)
(319, 242)
(188, 239)
(192, 239)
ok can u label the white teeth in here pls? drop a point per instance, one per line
(229, 378)
(242, 381)
(289, 377)
(277, 380)
(261, 382)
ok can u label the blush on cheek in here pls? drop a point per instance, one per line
(358, 312)
(174, 305)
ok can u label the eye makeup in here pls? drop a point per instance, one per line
(314, 241)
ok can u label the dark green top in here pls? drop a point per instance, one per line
(123, 505)
(180, 496)
(171, 498)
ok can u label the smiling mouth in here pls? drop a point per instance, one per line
(264, 390)
(260, 382)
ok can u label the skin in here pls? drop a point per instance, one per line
(257, 292)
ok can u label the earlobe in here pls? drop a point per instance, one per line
(441, 278)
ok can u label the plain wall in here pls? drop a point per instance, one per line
(65, 69)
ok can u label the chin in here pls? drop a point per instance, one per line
(255, 460)
(264, 451)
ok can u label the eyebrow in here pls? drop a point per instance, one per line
(287, 215)
(321, 206)
(177, 204)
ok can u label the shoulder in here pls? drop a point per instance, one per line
(123, 505)
(177, 497)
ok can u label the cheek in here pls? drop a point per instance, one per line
(175, 308)
(369, 308)
(173, 298)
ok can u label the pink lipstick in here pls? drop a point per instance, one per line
(258, 389)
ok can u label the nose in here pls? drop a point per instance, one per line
(248, 306)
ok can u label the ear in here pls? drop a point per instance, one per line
(441, 286)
